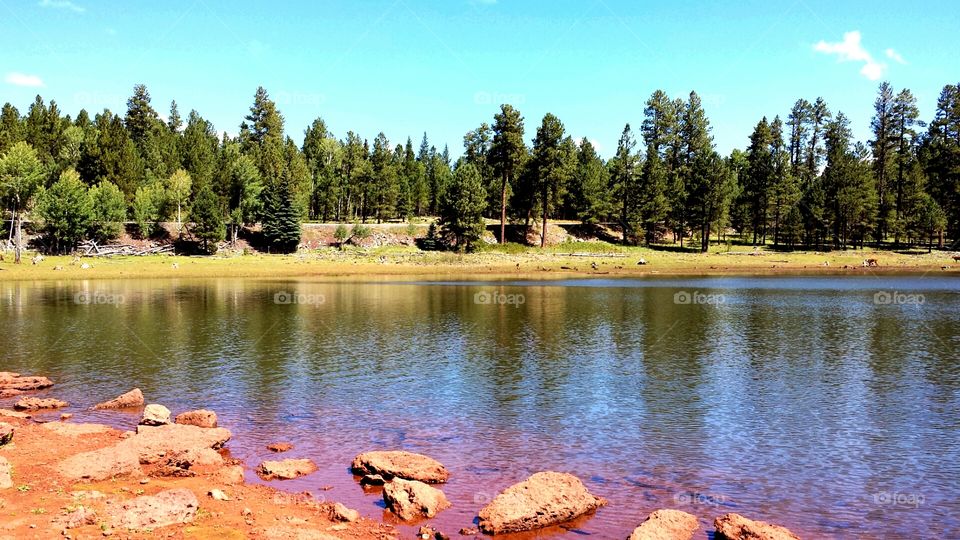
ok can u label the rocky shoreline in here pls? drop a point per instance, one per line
(168, 476)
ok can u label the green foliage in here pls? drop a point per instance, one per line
(109, 211)
(281, 219)
(207, 217)
(147, 207)
(341, 234)
(360, 231)
(463, 206)
(66, 211)
(178, 193)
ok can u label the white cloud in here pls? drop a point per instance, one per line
(851, 50)
(22, 79)
(61, 4)
(895, 56)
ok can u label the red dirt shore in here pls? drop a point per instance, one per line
(41, 502)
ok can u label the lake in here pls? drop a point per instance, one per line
(830, 405)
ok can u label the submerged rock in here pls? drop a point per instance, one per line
(200, 418)
(280, 447)
(150, 512)
(412, 499)
(287, 469)
(736, 527)
(666, 525)
(406, 465)
(14, 414)
(33, 404)
(544, 499)
(133, 398)
(155, 415)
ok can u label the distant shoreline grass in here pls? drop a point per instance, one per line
(581, 259)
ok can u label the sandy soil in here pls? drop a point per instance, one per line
(39, 500)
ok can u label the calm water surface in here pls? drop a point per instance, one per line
(809, 402)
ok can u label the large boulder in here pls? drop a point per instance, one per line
(6, 481)
(200, 418)
(411, 499)
(6, 433)
(168, 507)
(544, 499)
(101, 464)
(287, 469)
(399, 464)
(736, 527)
(153, 443)
(34, 404)
(155, 415)
(667, 525)
(13, 381)
(133, 398)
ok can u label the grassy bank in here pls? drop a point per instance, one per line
(579, 259)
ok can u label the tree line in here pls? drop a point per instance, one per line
(800, 182)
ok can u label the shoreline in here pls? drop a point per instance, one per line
(382, 265)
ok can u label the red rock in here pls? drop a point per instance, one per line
(667, 525)
(287, 469)
(133, 398)
(6, 433)
(406, 465)
(544, 499)
(101, 464)
(154, 443)
(411, 499)
(200, 418)
(736, 527)
(33, 404)
(16, 382)
(170, 507)
(339, 512)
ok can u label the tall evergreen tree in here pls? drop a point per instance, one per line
(623, 175)
(883, 147)
(554, 157)
(507, 155)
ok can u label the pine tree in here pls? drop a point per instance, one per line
(905, 116)
(883, 147)
(281, 221)
(623, 175)
(507, 155)
(590, 196)
(464, 203)
(141, 119)
(554, 158)
(11, 127)
(654, 204)
(207, 219)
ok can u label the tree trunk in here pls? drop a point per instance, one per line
(18, 240)
(503, 210)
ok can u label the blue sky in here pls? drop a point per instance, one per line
(408, 66)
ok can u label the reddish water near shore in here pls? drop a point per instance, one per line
(808, 402)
